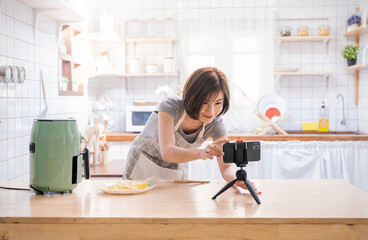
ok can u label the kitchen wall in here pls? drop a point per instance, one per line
(19, 104)
(303, 94)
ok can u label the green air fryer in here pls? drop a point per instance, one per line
(55, 159)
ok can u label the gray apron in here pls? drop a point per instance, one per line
(145, 160)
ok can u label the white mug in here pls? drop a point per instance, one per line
(151, 68)
(169, 64)
(134, 64)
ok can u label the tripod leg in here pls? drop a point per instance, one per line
(227, 186)
(251, 190)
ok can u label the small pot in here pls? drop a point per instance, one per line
(351, 62)
(151, 68)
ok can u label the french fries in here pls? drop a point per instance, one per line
(127, 186)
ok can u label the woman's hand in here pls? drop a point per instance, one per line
(214, 149)
(242, 185)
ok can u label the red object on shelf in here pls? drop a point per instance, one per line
(273, 112)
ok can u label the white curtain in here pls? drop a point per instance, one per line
(301, 160)
(238, 42)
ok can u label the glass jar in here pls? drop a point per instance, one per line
(151, 27)
(132, 28)
(285, 31)
(160, 28)
(324, 30)
(303, 31)
(169, 27)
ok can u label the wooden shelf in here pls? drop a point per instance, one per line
(70, 68)
(304, 73)
(357, 67)
(107, 74)
(356, 33)
(151, 74)
(359, 31)
(110, 38)
(70, 93)
(149, 40)
(111, 74)
(303, 39)
(55, 9)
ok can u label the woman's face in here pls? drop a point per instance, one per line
(211, 107)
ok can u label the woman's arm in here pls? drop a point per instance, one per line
(228, 171)
(172, 153)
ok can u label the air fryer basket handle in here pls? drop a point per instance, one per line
(85, 154)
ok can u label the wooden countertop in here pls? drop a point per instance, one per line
(113, 169)
(291, 209)
(293, 135)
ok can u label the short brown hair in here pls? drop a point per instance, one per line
(204, 82)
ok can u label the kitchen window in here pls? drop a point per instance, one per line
(239, 43)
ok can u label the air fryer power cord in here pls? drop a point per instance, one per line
(11, 188)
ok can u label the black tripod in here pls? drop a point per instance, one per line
(241, 175)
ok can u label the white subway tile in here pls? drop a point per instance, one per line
(2, 44)
(9, 7)
(11, 108)
(10, 47)
(11, 148)
(18, 166)
(11, 168)
(9, 26)
(3, 129)
(19, 30)
(3, 170)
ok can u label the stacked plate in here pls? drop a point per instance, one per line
(272, 106)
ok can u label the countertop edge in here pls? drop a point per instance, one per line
(165, 220)
(240, 137)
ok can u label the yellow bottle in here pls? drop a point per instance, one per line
(323, 119)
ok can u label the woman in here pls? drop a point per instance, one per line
(179, 126)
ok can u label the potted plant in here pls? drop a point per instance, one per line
(354, 20)
(64, 83)
(350, 53)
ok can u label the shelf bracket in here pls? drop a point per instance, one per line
(326, 59)
(364, 17)
(277, 84)
(356, 77)
(325, 84)
(277, 50)
(36, 14)
(325, 45)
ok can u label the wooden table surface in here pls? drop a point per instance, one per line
(290, 209)
(293, 136)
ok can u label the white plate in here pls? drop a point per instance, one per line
(124, 192)
(272, 101)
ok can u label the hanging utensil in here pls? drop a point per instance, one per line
(44, 112)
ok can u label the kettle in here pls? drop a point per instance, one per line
(55, 158)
